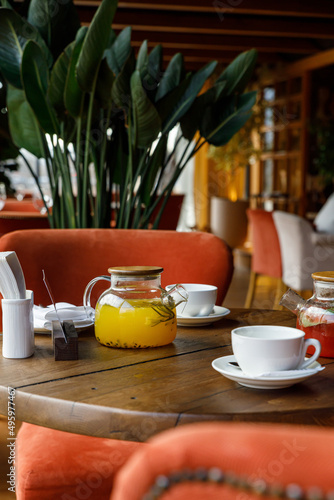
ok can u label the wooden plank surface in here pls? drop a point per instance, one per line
(135, 393)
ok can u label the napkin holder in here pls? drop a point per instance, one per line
(65, 348)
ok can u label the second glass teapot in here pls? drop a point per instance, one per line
(135, 311)
(315, 316)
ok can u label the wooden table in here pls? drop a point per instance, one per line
(133, 394)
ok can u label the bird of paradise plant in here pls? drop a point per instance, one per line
(101, 116)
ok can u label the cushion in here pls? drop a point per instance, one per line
(231, 461)
(56, 465)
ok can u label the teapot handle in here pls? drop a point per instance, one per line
(89, 287)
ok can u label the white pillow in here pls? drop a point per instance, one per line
(324, 221)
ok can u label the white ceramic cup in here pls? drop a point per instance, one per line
(201, 299)
(261, 349)
(18, 327)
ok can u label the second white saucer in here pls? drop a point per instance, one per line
(234, 373)
(217, 313)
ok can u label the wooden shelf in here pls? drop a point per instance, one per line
(281, 139)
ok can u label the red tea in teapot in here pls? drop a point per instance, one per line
(315, 316)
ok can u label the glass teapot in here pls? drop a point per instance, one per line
(315, 316)
(135, 311)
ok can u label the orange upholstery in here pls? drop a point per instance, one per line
(253, 458)
(72, 257)
(266, 258)
(55, 465)
(266, 253)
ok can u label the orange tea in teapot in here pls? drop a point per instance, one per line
(138, 323)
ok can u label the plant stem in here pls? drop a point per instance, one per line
(87, 154)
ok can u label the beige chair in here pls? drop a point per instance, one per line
(303, 250)
(324, 221)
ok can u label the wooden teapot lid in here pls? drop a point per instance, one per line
(135, 270)
(324, 276)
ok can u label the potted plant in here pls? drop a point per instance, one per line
(101, 117)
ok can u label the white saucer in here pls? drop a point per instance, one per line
(234, 373)
(217, 313)
(76, 314)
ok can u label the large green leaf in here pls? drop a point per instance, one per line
(14, 34)
(191, 121)
(121, 92)
(95, 43)
(168, 103)
(23, 124)
(142, 60)
(117, 153)
(7, 148)
(196, 83)
(172, 76)
(220, 125)
(238, 72)
(153, 74)
(58, 79)
(57, 22)
(35, 79)
(146, 120)
(119, 51)
(155, 63)
(104, 85)
(73, 95)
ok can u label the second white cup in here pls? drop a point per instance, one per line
(261, 349)
(201, 299)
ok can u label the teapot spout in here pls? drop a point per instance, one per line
(292, 301)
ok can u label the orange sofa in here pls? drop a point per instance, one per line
(54, 465)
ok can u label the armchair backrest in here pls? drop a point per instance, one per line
(266, 253)
(72, 257)
(231, 461)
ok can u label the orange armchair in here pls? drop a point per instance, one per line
(52, 464)
(266, 253)
(231, 461)
(72, 257)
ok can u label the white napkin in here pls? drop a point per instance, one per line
(65, 311)
(12, 283)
